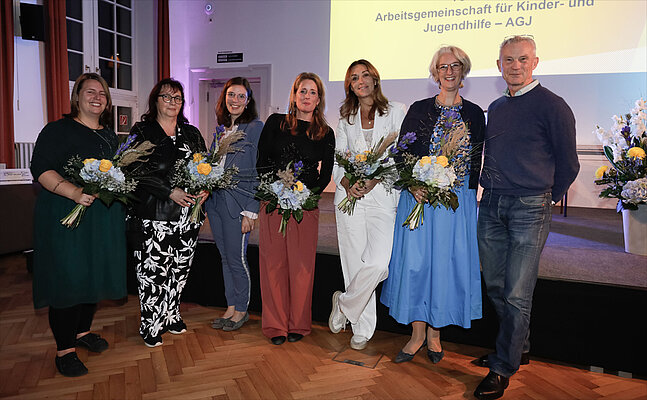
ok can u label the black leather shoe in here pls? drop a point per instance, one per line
(405, 357)
(491, 387)
(484, 362)
(92, 342)
(435, 356)
(277, 340)
(70, 365)
(294, 337)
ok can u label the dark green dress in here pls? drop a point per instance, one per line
(88, 263)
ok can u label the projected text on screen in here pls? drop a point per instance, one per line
(572, 36)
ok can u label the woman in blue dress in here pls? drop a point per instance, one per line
(434, 276)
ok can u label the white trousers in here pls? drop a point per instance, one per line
(365, 241)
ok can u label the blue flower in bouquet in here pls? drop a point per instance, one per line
(203, 173)
(105, 178)
(286, 193)
(290, 198)
(103, 172)
(433, 170)
(220, 130)
(298, 166)
(403, 144)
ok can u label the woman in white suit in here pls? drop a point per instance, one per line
(365, 237)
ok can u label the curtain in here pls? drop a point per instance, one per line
(57, 78)
(163, 46)
(6, 84)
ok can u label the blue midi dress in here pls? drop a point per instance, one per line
(434, 272)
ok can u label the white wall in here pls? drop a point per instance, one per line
(29, 104)
(293, 37)
(145, 48)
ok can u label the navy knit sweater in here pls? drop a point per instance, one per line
(530, 145)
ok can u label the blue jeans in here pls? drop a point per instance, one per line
(512, 231)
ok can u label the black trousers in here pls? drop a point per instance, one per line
(66, 323)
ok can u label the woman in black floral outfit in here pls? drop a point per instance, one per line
(160, 231)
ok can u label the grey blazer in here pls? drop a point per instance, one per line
(241, 197)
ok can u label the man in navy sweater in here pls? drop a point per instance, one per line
(530, 161)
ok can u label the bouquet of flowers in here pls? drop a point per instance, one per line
(204, 172)
(625, 146)
(441, 172)
(371, 164)
(105, 178)
(288, 194)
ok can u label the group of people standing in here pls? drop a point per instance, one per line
(432, 274)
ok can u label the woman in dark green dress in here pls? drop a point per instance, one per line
(76, 268)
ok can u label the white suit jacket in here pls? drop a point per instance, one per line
(349, 136)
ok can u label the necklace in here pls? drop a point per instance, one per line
(77, 119)
(367, 117)
(456, 103)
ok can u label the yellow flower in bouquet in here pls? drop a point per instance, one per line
(425, 160)
(298, 186)
(105, 165)
(442, 161)
(599, 173)
(197, 157)
(636, 152)
(203, 168)
(89, 160)
(361, 157)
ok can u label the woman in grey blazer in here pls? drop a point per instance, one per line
(232, 212)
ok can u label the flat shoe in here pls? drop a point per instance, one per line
(177, 328)
(358, 342)
(294, 337)
(152, 341)
(69, 365)
(230, 325)
(218, 323)
(435, 356)
(277, 340)
(92, 342)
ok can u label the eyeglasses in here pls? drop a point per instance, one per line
(168, 98)
(240, 97)
(455, 67)
(505, 39)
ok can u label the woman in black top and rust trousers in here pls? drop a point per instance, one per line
(287, 263)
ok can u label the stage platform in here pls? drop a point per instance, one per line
(589, 303)
(586, 246)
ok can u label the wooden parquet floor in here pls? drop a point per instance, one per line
(205, 363)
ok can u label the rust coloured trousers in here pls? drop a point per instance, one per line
(287, 268)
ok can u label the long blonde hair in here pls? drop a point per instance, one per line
(318, 127)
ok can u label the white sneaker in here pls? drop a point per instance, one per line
(337, 320)
(358, 342)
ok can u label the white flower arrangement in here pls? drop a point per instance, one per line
(625, 146)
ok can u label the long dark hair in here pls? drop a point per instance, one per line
(151, 112)
(351, 102)
(248, 115)
(105, 118)
(318, 127)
